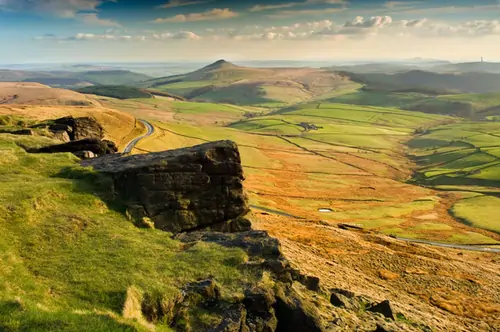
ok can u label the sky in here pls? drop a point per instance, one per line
(242, 30)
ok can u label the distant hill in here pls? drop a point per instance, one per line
(74, 80)
(478, 67)
(223, 81)
(111, 77)
(14, 93)
(441, 82)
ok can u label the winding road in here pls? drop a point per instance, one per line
(130, 146)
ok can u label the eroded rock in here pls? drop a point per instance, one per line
(78, 128)
(181, 190)
(96, 146)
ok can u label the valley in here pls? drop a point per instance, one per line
(334, 172)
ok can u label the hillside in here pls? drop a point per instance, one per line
(475, 106)
(37, 102)
(441, 83)
(38, 94)
(225, 82)
(116, 91)
(478, 67)
(72, 79)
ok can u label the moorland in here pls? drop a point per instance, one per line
(407, 156)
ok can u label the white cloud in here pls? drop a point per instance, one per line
(374, 22)
(93, 19)
(185, 35)
(109, 36)
(214, 14)
(181, 3)
(62, 8)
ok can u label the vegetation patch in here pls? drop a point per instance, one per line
(481, 212)
(115, 91)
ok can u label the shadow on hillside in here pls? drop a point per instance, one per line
(87, 180)
(16, 317)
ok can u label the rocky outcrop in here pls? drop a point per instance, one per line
(77, 128)
(188, 189)
(81, 148)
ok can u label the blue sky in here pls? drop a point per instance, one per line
(163, 30)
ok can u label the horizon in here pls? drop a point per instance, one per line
(103, 31)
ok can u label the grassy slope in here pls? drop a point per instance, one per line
(296, 171)
(67, 258)
(111, 77)
(463, 104)
(463, 156)
(115, 91)
(263, 87)
(480, 211)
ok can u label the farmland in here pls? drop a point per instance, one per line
(345, 158)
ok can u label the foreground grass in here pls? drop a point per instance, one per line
(67, 258)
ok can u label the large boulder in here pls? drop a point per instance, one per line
(182, 190)
(78, 128)
(96, 146)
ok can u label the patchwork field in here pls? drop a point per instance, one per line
(477, 105)
(463, 157)
(344, 159)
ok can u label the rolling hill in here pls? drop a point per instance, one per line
(478, 67)
(225, 82)
(70, 79)
(430, 81)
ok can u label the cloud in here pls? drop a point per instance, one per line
(62, 8)
(93, 19)
(181, 3)
(183, 35)
(304, 12)
(263, 7)
(449, 10)
(414, 23)
(258, 8)
(211, 15)
(179, 35)
(374, 22)
(401, 4)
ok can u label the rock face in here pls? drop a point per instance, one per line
(78, 128)
(81, 148)
(182, 190)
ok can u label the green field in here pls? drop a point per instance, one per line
(467, 105)
(68, 258)
(298, 170)
(480, 211)
(115, 91)
(459, 154)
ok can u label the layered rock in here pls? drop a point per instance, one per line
(182, 190)
(81, 148)
(77, 128)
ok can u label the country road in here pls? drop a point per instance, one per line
(130, 146)
(430, 243)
